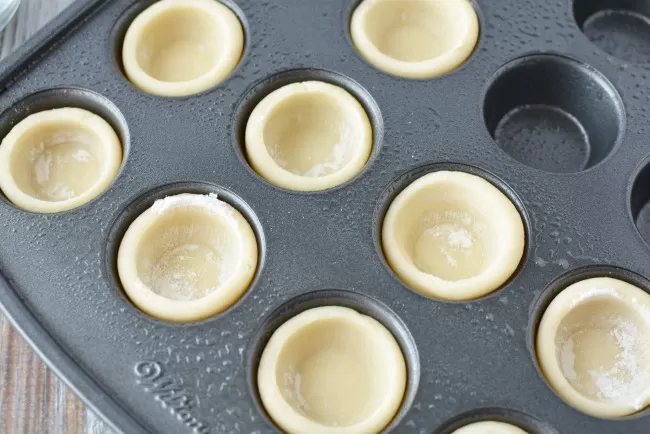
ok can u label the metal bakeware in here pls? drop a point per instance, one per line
(584, 214)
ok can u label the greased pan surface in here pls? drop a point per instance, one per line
(466, 361)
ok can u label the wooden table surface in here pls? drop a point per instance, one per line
(32, 399)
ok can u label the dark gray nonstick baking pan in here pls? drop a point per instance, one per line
(582, 187)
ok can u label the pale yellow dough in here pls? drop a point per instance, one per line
(489, 427)
(593, 345)
(58, 160)
(308, 136)
(187, 257)
(415, 38)
(452, 235)
(182, 47)
(331, 370)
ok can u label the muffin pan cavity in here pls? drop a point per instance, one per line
(182, 47)
(553, 113)
(593, 346)
(415, 39)
(619, 28)
(308, 136)
(332, 370)
(187, 257)
(453, 235)
(334, 361)
(57, 154)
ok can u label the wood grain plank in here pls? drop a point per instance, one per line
(32, 399)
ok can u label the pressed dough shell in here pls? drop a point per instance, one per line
(324, 338)
(223, 44)
(346, 122)
(415, 39)
(450, 212)
(208, 219)
(59, 126)
(598, 311)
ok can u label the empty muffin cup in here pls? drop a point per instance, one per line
(593, 346)
(489, 427)
(187, 257)
(308, 136)
(619, 28)
(332, 370)
(417, 38)
(58, 160)
(453, 236)
(182, 47)
(554, 125)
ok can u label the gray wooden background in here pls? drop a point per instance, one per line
(32, 399)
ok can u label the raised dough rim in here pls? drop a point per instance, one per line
(475, 428)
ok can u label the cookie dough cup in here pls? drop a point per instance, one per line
(58, 160)
(593, 346)
(489, 427)
(308, 136)
(416, 38)
(453, 236)
(182, 47)
(187, 257)
(331, 370)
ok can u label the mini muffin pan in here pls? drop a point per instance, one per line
(551, 108)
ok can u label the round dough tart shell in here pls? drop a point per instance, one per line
(461, 198)
(30, 152)
(489, 427)
(299, 117)
(415, 39)
(158, 246)
(332, 370)
(162, 54)
(598, 310)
